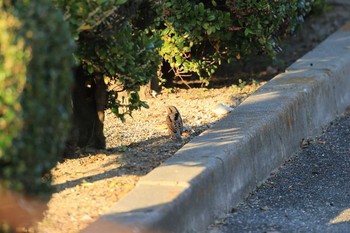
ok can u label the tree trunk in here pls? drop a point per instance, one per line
(100, 94)
(89, 97)
(154, 86)
(147, 91)
(168, 75)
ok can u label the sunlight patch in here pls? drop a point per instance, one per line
(344, 216)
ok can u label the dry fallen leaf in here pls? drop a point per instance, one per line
(86, 184)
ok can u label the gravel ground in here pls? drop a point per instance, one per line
(309, 193)
(91, 183)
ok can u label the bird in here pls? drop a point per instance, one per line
(174, 122)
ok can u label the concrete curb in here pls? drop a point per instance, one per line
(217, 169)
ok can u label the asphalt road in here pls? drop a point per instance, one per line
(309, 193)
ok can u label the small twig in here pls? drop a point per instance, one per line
(178, 74)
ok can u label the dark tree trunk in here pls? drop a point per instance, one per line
(168, 75)
(100, 94)
(164, 72)
(146, 91)
(89, 97)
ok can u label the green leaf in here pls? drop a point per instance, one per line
(90, 69)
(205, 26)
(211, 17)
(186, 49)
(120, 2)
(248, 32)
(144, 104)
(209, 30)
(201, 7)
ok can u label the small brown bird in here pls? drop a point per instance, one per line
(174, 122)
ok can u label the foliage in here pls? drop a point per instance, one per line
(193, 35)
(127, 59)
(13, 59)
(43, 60)
(123, 40)
(319, 6)
(113, 40)
(198, 35)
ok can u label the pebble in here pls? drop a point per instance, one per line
(221, 109)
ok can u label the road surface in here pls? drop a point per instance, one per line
(309, 193)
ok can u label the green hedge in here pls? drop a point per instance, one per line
(13, 61)
(126, 40)
(199, 35)
(35, 76)
(114, 40)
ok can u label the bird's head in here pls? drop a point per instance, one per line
(171, 109)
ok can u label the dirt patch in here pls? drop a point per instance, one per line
(90, 184)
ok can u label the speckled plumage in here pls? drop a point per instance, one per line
(174, 122)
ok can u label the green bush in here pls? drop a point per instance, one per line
(199, 35)
(114, 40)
(13, 61)
(193, 34)
(122, 39)
(36, 67)
(125, 41)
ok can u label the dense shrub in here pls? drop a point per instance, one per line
(13, 61)
(116, 53)
(125, 42)
(193, 34)
(35, 76)
(114, 41)
(121, 40)
(198, 35)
